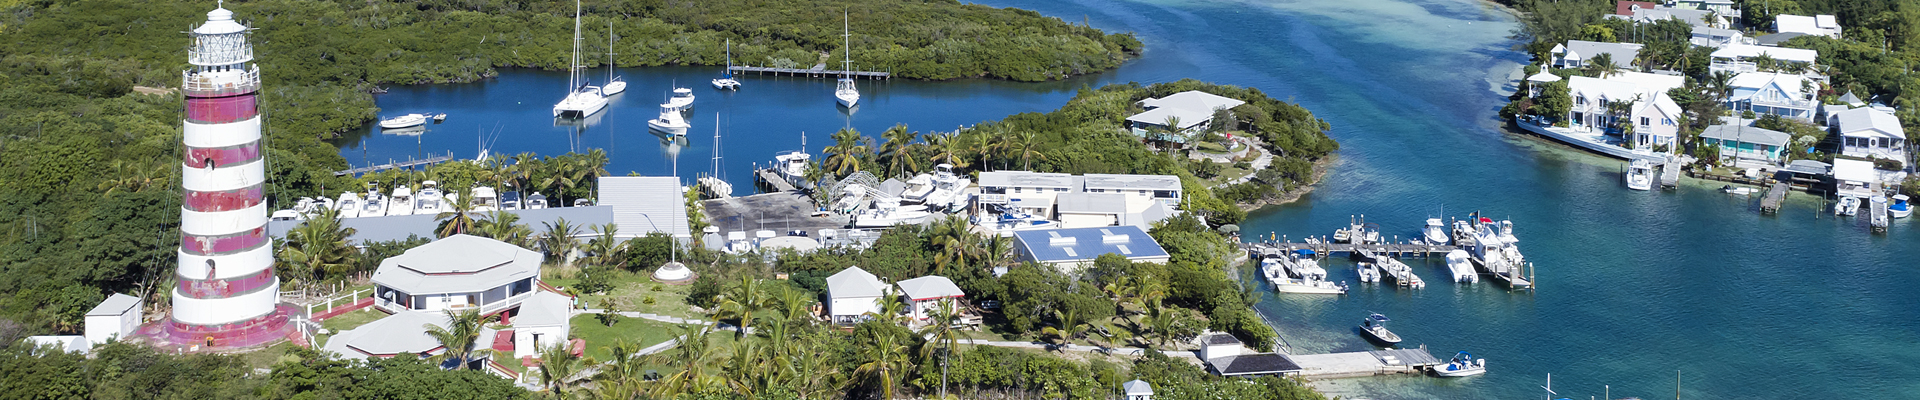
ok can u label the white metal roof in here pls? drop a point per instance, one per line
(544, 309)
(458, 264)
(1544, 76)
(1192, 107)
(854, 282)
(1132, 182)
(117, 304)
(1854, 170)
(66, 343)
(1789, 84)
(403, 332)
(645, 204)
(1744, 51)
(1622, 53)
(1868, 122)
(1091, 203)
(930, 287)
(1137, 388)
(1025, 179)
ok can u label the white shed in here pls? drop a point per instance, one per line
(118, 316)
(543, 322)
(66, 343)
(923, 294)
(853, 293)
(1138, 390)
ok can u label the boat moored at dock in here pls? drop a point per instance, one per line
(1461, 266)
(1639, 174)
(1298, 272)
(1435, 232)
(1462, 365)
(1900, 208)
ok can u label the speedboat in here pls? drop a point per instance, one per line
(948, 188)
(349, 205)
(484, 200)
(536, 202)
(1461, 265)
(409, 120)
(286, 215)
(429, 199)
(1463, 364)
(1640, 175)
(726, 81)
(918, 188)
(1900, 208)
(1435, 232)
(510, 201)
(1277, 269)
(1375, 328)
(373, 204)
(1847, 206)
(670, 123)
(1738, 190)
(401, 203)
(681, 100)
(1368, 273)
(1506, 232)
(886, 214)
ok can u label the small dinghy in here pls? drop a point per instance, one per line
(1375, 328)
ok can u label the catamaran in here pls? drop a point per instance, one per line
(614, 84)
(726, 81)
(845, 92)
(582, 99)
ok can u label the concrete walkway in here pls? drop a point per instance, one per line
(1266, 159)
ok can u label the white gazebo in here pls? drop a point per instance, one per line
(852, 294)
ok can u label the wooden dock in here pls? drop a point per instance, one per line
(1407, 249)
(818, 71)
(1776, 194)
(1670, 173)
(1365, 363)
(1401, 274)
(773, 180)
(391, 164)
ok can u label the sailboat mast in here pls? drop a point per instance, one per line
(609, 51)
(846, 42)
(573, 68)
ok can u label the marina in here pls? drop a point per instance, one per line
(818, 71)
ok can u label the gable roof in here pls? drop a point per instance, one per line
(1847, 169)
(1789, 84)
(458, 264)
(1868, 122)
(930, 287)
(645, 204)
(1665, 105)
(1623, 54)
(1137, 388)
(544, 308)
(1626, 7)
(117, 304)
(854, 282)
(402, 332)
(1747, 134)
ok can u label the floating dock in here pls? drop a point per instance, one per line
(1364, 363)
(391, 164)
(818, 71)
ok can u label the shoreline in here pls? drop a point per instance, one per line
(1320, 169)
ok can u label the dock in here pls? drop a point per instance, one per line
(773, 180)
(1670, 173)
(1364, 363)
(392, 164)
(1406, 249)
(1401, 274)
(1776, 194)
(818, 71)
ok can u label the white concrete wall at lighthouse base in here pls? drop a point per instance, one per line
(195, 266)
(228, 310)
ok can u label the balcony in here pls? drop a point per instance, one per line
(220, 83)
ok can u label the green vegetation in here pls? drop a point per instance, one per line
(631, 330)
(124, 371)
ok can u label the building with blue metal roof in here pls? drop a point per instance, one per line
(1075, 247)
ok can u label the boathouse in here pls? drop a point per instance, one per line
(1854, 178)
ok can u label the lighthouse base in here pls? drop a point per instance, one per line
(259, 332)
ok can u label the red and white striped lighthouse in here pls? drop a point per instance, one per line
(227, 292)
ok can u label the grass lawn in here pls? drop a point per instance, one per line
(599, 336)
(352, 319)
(630, 291)
(266, 358)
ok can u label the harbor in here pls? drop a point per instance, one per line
(1489, 244)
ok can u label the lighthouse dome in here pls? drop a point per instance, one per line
(219, 22)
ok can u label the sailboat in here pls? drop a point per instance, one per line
(582, 99)
(726, 81)
(614, 84)
(711, 184)
(845, 92)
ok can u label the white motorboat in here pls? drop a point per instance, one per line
(918, 188)
(891, 213)
(1847, 206)
(510, 201)
(726, 81)
(1278, 268)
(1876, 220)
(1639, 175)
(1506, 232)
(287, 215)
(349, 205)
(792, 165)
(536, 202)
(1900, 208)
(845, 92)
(1375, 328)
(404, 121)
(1368, 273)
(614, 84)
(1461, 265)
(1496, 253)
(401, 202)
(670, 123)
(373, 204)
(427, 202)
(1435, 232)
(1011, 220)
(948, 189)
(681, 100)
(851, 197)
(582, 98)
(1738, 190)
(1463, 364)
(485, 199)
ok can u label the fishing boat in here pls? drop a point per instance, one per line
(401, 202)
(1368, 273)
(1847, 206)
(1462, 364)
(1298, 273)
(726, 81)
(891, 213)
(918, 188)
(1375, 328)
(844, 91)
(681, 99)
(948, 189)
(1460, 264)
(614, 84)
(373, 204)
(1435, 232)
(582, 98)
(404, 121)
(1876, 220)
(349, 205)
(485, 199)
(1900, 208)
(670, 123)
(428, 200)
(536, 202)
(510, 201)
(1640, 175)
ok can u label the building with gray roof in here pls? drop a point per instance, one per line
(645, 204)
(1191, 110)
(852, 293)
(1072, 248)
(458, 272)
(404, 332)
(543, 321)
(1747, 142)
(923, 294)
(1579, 53)
(119, 316)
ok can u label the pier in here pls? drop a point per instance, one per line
(818, 71)
(1364, 363)
(1776, 194)
(1670, 173)
(773, 180)
(1407, 249)
(391, 164)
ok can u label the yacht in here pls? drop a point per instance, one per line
(948, 189)
(681, 100)
(1900, 208)
(793, 165)
(373, 204)
(670, 123)
(726, 81)
(1492, 250)
(404, 121)
(845, 92)
(1435, 232)
(614, 84)
(510, 201)
(1463, 364)
(1375, 327)
(1277, 269)
(1506, 232)
(485, 200)
(1847, 206)
(401, 203)
(918, 188)
(891, 213)
(1640, 175)
(427, 202)
(851, 197)
(349, 205)
(1738, 190)
(536, 202)
(582, 99)
(1461, 265)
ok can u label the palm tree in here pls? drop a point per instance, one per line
(741, 301)
(461, 336)
(959, 246)
(1070, 326)
(1602, 65)
(692, 354)
(848, 149)
(745, 369)
(897, 150)
(318, 246)
(559, 240)
(885, 358)
(605, 248)
(940, 331)
(797, 304)
(503, 226)
(559, 368)
(521, 172)
(946, 149)
(621, 377)
(1026, 151)
(594, 165)
(561, 177)
(458, 220)
(891, 311)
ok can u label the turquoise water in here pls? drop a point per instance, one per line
(1634, 286)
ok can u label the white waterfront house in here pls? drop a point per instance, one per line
(1747, 142)
(1654, 116)
(1868, 132)
(1069, 249)
(1191, 111)
(1818, 25)
(923, 295)
(1786, 95)
(1090, 200)
(116, 317)
(457, 273)
(1738, 58)
(852, 293)
(1580, 53)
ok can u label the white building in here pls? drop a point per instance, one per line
(1655, 117)
(1073, 248)
(544, 321)
(1818, 25)
(1785, 95)
(1695, 17)
(457, 272)
(116, 317)
(1738, 58)
(63, 343)
(1870, 133)
(1854, 178)
(1226, 356)
(1192, 110)
(923, 295)
(1137, 390)
(1085, 201)
(1580, 53)
(1717, 37)
(404, 332)
(852, 294)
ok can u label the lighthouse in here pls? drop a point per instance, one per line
(227, 293)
